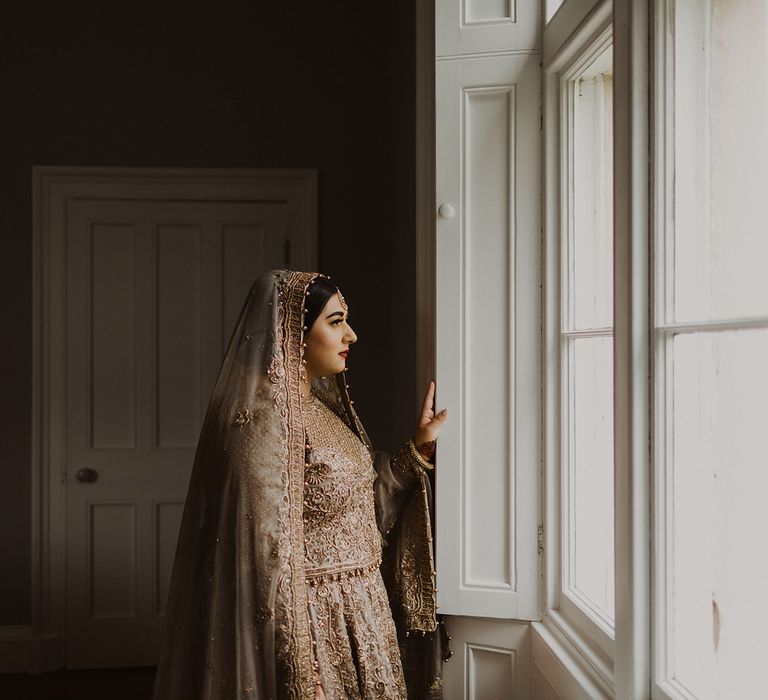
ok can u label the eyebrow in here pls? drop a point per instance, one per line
(335, 313)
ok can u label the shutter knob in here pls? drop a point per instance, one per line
(446, 211)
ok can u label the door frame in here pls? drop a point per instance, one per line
(53, 188)
(425, 221)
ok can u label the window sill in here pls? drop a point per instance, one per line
(587, 668)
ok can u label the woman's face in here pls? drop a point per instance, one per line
(329, 336)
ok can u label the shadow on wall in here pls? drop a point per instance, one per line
(327, 86)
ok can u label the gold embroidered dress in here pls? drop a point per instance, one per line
(354, 636)
(276, 576)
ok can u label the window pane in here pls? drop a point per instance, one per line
(589, 482)
(721, 159)
(719, 483)
(592, 246)
(587, 304)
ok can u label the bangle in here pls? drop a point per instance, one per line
(423, 461)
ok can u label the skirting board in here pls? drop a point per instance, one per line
(20, 652)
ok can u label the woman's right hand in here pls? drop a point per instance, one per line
(429, 425)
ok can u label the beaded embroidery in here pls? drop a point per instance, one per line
(356, 648)
(340, 530)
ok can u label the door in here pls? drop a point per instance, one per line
(153, 289)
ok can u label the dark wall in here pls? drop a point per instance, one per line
(326, 85)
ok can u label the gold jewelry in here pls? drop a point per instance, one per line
(420, 457)
(427, 449)
(342, 300)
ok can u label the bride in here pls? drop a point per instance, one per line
(304, 566)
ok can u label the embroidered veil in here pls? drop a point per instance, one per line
(237, 622)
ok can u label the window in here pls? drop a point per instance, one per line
(679, 443)
(579, 463)
(586, 311)
(710, 348)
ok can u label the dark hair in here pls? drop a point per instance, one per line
(320, 291)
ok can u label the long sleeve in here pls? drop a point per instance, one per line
(403, 499)
(404, 502)
(409, 461)
(396, 476)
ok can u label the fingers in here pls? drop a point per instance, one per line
(440, 417)
(430, 431)
(438, 420)
(429, 398)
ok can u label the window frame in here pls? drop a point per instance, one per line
(599, 635)
(579, 31)
(632, 352)
(642, 195)
(663, 158)
(664, 328)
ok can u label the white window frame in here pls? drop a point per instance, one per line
(622, 668)
(665, 328)
(579, 31)
(599, 636)
(663, 193)
(632, 353)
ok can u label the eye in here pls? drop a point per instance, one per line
(336, 322)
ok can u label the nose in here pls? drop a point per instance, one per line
(351, 336)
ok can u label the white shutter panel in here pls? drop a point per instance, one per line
(488, 335)
(482, 26)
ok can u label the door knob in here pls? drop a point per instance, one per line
(87, 475)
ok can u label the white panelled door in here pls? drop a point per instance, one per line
(152, 292)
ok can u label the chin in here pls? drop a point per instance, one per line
(331, 371)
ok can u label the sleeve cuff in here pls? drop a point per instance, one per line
(409, 461)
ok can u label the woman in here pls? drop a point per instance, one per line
(276, 588)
